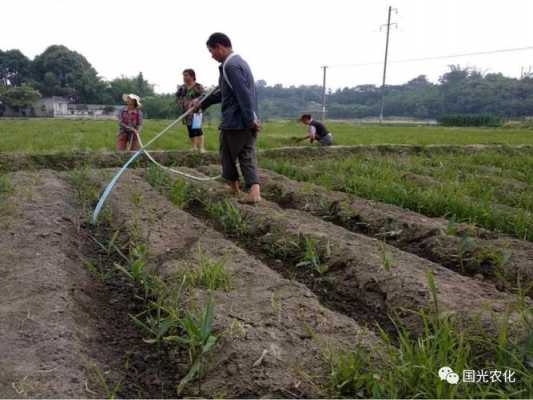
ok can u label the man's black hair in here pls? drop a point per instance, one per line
(218, 38)
(190, 71)
(305, 116)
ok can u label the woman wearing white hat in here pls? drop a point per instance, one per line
(130, 123)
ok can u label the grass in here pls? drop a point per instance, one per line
(87, 191)
(228, 216)
(462, 188)
(407, 366)
(5, 186)
(208, 274)
(52, 135)
(178, 191)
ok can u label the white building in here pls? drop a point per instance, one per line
(51, 107)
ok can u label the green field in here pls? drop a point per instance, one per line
(49, 135)
(490, 189)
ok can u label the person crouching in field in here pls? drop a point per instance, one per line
(316, 131)
(185, 94)
(240, 124)
(130, 124)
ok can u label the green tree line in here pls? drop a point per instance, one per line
(458, 91)
(59, 71)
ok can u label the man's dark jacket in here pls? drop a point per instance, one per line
(239, 101)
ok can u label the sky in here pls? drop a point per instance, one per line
(283, 41)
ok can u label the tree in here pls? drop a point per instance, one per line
(62, 72)
(124, 84)
(18, 97)
(15, 68)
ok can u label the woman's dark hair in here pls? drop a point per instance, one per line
(218, 38)
(190, 71)
(305, 116)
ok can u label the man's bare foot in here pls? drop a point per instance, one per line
(234, 188)
(254, 196)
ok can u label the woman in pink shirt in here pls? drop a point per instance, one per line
(130, 124)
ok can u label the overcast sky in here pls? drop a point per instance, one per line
(284, 41)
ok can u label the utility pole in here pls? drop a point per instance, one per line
(388, 25)
(324, 69)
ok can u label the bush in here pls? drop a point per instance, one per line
(470, 120)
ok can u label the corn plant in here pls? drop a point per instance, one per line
(198, 338)
(312, 256)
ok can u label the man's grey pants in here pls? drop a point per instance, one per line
(239, 144)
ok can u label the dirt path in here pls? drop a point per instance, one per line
(273, 331)
(356, 269)
(47, 324)
(506, 261)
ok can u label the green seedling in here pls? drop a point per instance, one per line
(311, 256)
(386, 257)
(198, 338)
(228, 215)
(209, 274)
(110, 391)
(407, 365)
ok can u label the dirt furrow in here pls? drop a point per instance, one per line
(469, 250)
(48, 326)
(272, 330)
(351, 268)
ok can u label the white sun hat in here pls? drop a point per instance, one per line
(125, 97)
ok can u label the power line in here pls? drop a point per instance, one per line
(479, 53)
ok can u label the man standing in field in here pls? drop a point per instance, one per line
(316, 131)
(240, 124)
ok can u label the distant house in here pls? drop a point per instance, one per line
(60, 107)
(92, 111)
(51, 107)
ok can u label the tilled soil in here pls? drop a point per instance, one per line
(273, 330)
(48, 322)
(64, 333)
(506, 261)
(359, 269)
